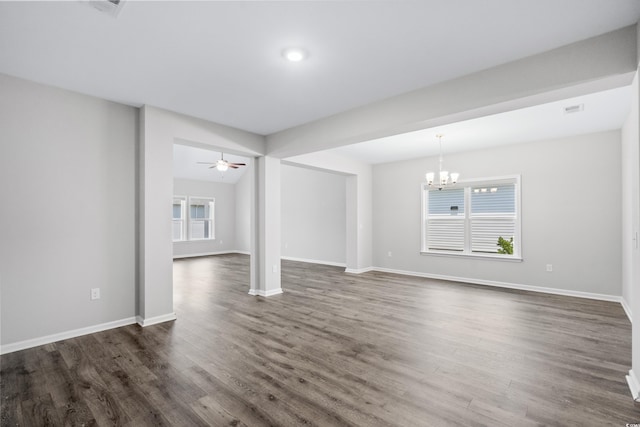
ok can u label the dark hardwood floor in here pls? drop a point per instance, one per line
(335, 349)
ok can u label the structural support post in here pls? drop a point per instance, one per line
(266, 228)
(352, 224)
(155, 256)
(631, 259)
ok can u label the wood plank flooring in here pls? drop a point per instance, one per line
(334, 350)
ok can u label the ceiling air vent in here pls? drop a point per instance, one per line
(110, 7)
(574, 109)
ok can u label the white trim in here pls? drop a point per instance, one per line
(314, 261)
(48, 339)
(155, 320)
(554, 291)
(493, 257)
(503, 179)
(634, 385)
(626, 308)
(203, 254)
(359, 270)
(261, 293)
(183, 213)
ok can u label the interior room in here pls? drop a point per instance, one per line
(327, 213)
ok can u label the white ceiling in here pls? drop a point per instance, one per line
(185, 165)
(221, 60)
(602, 111)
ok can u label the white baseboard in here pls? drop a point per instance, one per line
(242, 252)
(554, 291)
(359, 270)
(314, 261)
(35, 342)
(269, 293)
(156, 319)
(634, 385)
(627, 309)
(204, 254)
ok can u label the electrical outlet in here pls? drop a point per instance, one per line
(275, 268)
(95, 293)
(389, 254)
(549, 267)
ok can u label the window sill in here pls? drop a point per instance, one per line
(496, 257)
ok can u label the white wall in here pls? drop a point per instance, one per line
(571, 214)
(67, 223)
(313, 215)
(630, 199)
(243, 212)
(359, 220)
(309, 197)
(224, 222)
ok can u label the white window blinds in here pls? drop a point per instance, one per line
(493, 215)
(445, 219)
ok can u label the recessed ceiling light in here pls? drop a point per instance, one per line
(294, 54)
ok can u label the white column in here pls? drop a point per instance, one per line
(630, 227)
(266, 229)
(352, 223)
(155, 250)
(359, 223)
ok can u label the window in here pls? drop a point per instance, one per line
(179, 223)
(193, 218)
(472, 217)
(446, 220)
(200, 218)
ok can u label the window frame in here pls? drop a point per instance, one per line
(467, 253)
(184, 220)
(211, 218)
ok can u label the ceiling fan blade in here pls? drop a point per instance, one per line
(237, 164)
(233, 166)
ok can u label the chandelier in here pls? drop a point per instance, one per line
(444, 177)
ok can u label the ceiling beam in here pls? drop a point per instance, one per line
(599, 63)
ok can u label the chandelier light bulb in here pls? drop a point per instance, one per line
(430, 177)
(444, 176)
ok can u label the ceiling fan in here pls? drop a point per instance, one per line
(222, 164)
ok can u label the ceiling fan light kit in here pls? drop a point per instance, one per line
(444, 178)
(223, 165)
